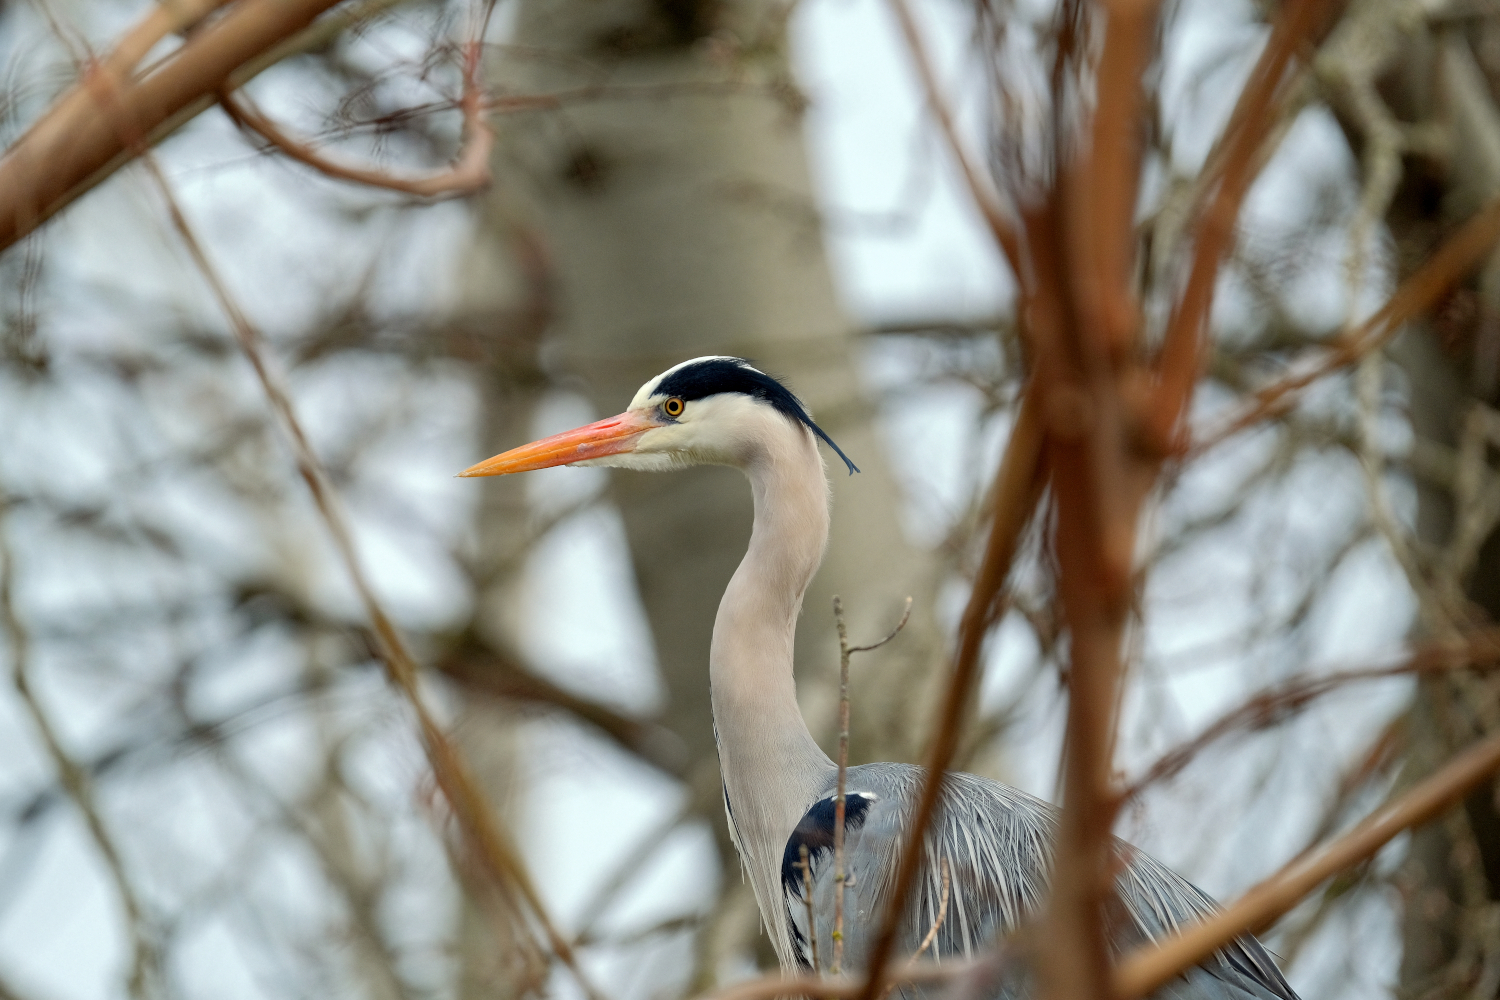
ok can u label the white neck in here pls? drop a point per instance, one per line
(772, 767)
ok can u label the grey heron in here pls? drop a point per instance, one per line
(779, 786)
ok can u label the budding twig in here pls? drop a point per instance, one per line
(839, 878)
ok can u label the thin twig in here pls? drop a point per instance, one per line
(942, 912)
(1150, 967)
(839, 875)
(1017, 490)
(1418, 293)
(491, 844)
(980, 189)
(807, 899)
(145, 966)
(836, 966)
(1274, 703)
(469, 173)
(905, 615)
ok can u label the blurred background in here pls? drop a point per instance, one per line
(209, 789)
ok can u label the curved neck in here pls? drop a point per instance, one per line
(772, 767)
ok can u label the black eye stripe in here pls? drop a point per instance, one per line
(713, 376)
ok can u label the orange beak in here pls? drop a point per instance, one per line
(604, 437)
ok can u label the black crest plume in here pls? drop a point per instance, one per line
(712, 376)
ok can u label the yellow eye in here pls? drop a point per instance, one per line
(672, 407)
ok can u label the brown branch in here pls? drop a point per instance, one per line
(480, 669)
(983, 193)
(469, 173)
(1230, 174)
(848, 987)
(1106, 194)
(82, 133)
(1417, 294)
(1018, 489)
(1149, 968)
(937, 921)
(490, 843)
(1271, 705)
(77, 784)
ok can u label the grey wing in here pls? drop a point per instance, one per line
(1160, 901)
(996, 845)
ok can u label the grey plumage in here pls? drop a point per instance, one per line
(997, 842)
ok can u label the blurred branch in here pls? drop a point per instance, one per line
(1148, 968)
(1085, 338)
(828, 987)
(1017, 491)
(480, 669)
(106, 113)
(1274, 704)
(145, 966)
(490, 843)
(469, 174)
(982, 191)
(1229, 173)
(1417, 294)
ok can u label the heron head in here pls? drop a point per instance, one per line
(708, 411)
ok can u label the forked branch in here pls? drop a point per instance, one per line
(469, 174)
(839, 875)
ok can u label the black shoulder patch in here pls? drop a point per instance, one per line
(713, 376)
(815, 832)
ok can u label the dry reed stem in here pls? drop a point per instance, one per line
(470, 172)
(1018, 489)
(1149, 968)
(489, 842)
(1418, 293)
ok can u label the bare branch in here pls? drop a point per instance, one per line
(1018, 489)
(1149, 968)
(469, 174)
(1272, 705)
(491, 844)
(983, 192)
(1416, 295)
